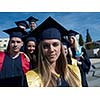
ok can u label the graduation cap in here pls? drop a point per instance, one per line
(22, 23)
(47, 24)
(66, 42)
(50, 33)
(15, 32)
(30, 39)
(31, 19)
(72, 33)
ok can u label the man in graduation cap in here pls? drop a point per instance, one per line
(13, 63)
(79, 53)
(22, 24)
(32, 23)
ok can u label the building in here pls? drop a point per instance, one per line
(95, 51)
(3, 43)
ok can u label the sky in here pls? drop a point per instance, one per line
(78, 21)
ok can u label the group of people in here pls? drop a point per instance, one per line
(47, 61)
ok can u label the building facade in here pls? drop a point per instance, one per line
(3, 43)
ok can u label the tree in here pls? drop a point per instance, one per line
(89, 44)
(81, 41)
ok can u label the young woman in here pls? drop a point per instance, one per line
(79, 53)
(30, 50)
(53, 69)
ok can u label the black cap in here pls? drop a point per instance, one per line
(50, 33)
(49, 23)
(23, 23)
(15, 32)
(30, 39)
(66, 42)
(72, 33)
(31, 19)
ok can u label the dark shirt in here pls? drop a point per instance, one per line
(61, 82)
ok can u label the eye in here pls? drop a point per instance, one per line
(55, 44)
(12, 41)
(18, 41)
(46, 46)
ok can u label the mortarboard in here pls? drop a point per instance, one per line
(30, 39)
(72, 33)
(66, 42)
(15, 32)
(31, 19)
(22, 23)
(49, 23)
(50, 33)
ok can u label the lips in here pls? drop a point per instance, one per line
(52, 56)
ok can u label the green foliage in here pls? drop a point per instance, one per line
(89, 44)
(81, 41)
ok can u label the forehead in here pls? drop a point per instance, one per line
(65, 46)
(51, 41)
(15, 39)
(30, 42)
(71, 36)
(32, 22)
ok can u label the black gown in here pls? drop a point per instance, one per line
(85, 67)
(11, 74)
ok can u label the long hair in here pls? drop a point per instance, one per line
(32, 57)
(75, 45)
(62, 66)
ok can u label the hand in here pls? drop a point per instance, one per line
(79, 62)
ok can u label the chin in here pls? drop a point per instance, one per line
(52, 60)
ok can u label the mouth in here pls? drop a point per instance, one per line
(52, 56)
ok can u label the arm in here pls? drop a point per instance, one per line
(85, 61)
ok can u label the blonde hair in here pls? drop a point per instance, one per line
(62, 66)
(75, 45)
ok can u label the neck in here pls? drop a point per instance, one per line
(14, 54)
(53, 68)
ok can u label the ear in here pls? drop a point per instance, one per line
(22, 43)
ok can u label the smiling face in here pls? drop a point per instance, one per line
(31, 47)
(51, 49)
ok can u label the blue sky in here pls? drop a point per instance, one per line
(78, 21)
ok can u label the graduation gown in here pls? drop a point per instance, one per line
(12, 73)
(85, 67)
(34, 80)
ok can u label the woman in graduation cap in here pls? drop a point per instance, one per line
(13, 63)
(79, 53)
(30, 49)
(53, 69)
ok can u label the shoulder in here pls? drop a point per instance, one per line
(82, 48)
(33, 79)
(74, 61)
(75, 71)
(25, 56)
(74, 68)
(2, 54)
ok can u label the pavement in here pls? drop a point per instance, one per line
(93, 76)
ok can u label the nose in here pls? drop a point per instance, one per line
(15, 43)
(51, 48)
